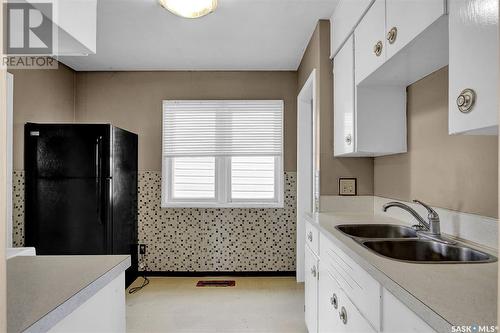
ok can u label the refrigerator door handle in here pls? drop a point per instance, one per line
(98, 166)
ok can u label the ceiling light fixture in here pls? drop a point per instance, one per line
(189, 8)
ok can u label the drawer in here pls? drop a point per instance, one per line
(312, 237)
(332, 303)
(352, 320)
(363, 290)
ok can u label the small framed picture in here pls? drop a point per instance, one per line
(348, 186)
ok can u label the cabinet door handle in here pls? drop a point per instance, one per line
(348, 139)
(334, 301)
(343, 315)
(313, 271)
(310, 236)
(377, 49)
(392, 35)
(466, 100)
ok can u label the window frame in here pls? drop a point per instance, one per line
(223, 179)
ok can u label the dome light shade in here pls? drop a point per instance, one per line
(189, 8)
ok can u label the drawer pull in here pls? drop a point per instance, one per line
(377, 49)
(392, 35)
(310, 236)
(343, 315)
(334, 301)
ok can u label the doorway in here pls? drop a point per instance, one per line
(307, 163)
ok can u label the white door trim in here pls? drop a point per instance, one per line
(10, 151)
(307, 163)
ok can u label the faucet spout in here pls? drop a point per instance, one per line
(422, 223)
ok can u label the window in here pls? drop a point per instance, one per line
(222, 154)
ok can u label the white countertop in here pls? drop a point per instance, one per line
(443, 295)
(42, 290)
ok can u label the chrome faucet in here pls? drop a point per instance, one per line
(427, 229)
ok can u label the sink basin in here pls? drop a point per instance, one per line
(377, 231)
(426, 251)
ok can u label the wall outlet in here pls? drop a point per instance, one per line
(142, 248)
(347, 186)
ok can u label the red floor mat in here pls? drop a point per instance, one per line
(216, 283)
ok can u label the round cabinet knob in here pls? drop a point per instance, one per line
(392, 35)
(348, 139)
(334, 301)
(377, 49)
(310, 236)
(343, 315)
(466, 100)
(313, 271)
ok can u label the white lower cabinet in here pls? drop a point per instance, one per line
(340, 296)
(311, 290)
(336, 312)
(397, 318)
(328, 304)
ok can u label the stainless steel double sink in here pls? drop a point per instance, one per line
(403, 243)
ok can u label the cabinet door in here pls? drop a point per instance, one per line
(311, 291)
(343, 100)
(368, 34)
(344, 20)
(473, 28)
(406, 19)
(328, 304)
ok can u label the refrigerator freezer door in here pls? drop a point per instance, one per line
(67, 151)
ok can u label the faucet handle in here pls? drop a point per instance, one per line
(432, 214)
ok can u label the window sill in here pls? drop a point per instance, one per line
(224, 205)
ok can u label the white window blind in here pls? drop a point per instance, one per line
(222, 153)
(253, 177)
(222, 128)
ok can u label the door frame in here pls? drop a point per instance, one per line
(307, 163)
(10, 152)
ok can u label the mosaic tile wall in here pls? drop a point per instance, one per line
(194, 239)
(18, 208)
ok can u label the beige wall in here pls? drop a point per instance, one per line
(132, 100)
(316, 56)
(41, 96)
(3, 185)
(455, 172)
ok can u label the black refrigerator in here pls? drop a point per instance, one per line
(81, 190)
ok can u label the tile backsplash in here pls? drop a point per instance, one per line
(203, 239)
(227, 239)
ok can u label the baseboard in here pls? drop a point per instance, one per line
(219, 273)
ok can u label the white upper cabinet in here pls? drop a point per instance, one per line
(343, 21)
(343, 100)
(370, 41)
(368, 121)
(473, 68)
(390, 26)
(406, 19)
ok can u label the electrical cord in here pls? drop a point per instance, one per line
(144, 283)
(142, 263)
